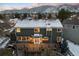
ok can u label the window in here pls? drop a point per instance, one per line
(37, 29)
(48, 29)
(37, 41)
(18, 29)
(58, 39)
(23, 38)
(26, 38)
(73, 27)
(59, 30)
(19, 38)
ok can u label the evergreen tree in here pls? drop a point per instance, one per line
(63, 14)
(64, 47)
(17, 15)
(1, 16)
(39, 16)
(49, 16)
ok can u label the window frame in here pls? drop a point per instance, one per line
(59, 30)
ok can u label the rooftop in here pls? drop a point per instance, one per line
(39, 23)
(74, 21)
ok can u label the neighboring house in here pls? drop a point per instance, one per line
(71, 29)
(28, 30)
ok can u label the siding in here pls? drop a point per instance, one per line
(71, 34)
(25, 32)
(30, 31)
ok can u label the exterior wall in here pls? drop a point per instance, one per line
(71, 33)
(25, 32)
(30, 31)
(69, 26)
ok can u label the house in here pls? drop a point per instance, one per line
(71, 29)
(36, 35)
(27, 29)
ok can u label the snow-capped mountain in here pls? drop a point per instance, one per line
(45, 9)
(14, 11)
(41, 9)
(55, 9)
(51, 10)
(71, 8)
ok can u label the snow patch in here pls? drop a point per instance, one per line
(1, 21)
(2, 39)
(74, 48)
(4, 44)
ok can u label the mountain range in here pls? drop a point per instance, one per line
(44, 9)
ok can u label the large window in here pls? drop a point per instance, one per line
(24, 38)
(19, 38)
(37, 29)
(18, 29)
(37, 41)
(48, 29)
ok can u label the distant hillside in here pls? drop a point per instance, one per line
(40, 9)
(45, 9)
(14, 11)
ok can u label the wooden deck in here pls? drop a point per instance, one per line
(37, 49)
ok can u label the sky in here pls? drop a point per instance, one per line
(15, 4)
(10, 6)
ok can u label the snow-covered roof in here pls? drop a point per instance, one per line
(74, 48)
(71, 21)
(39, 23)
